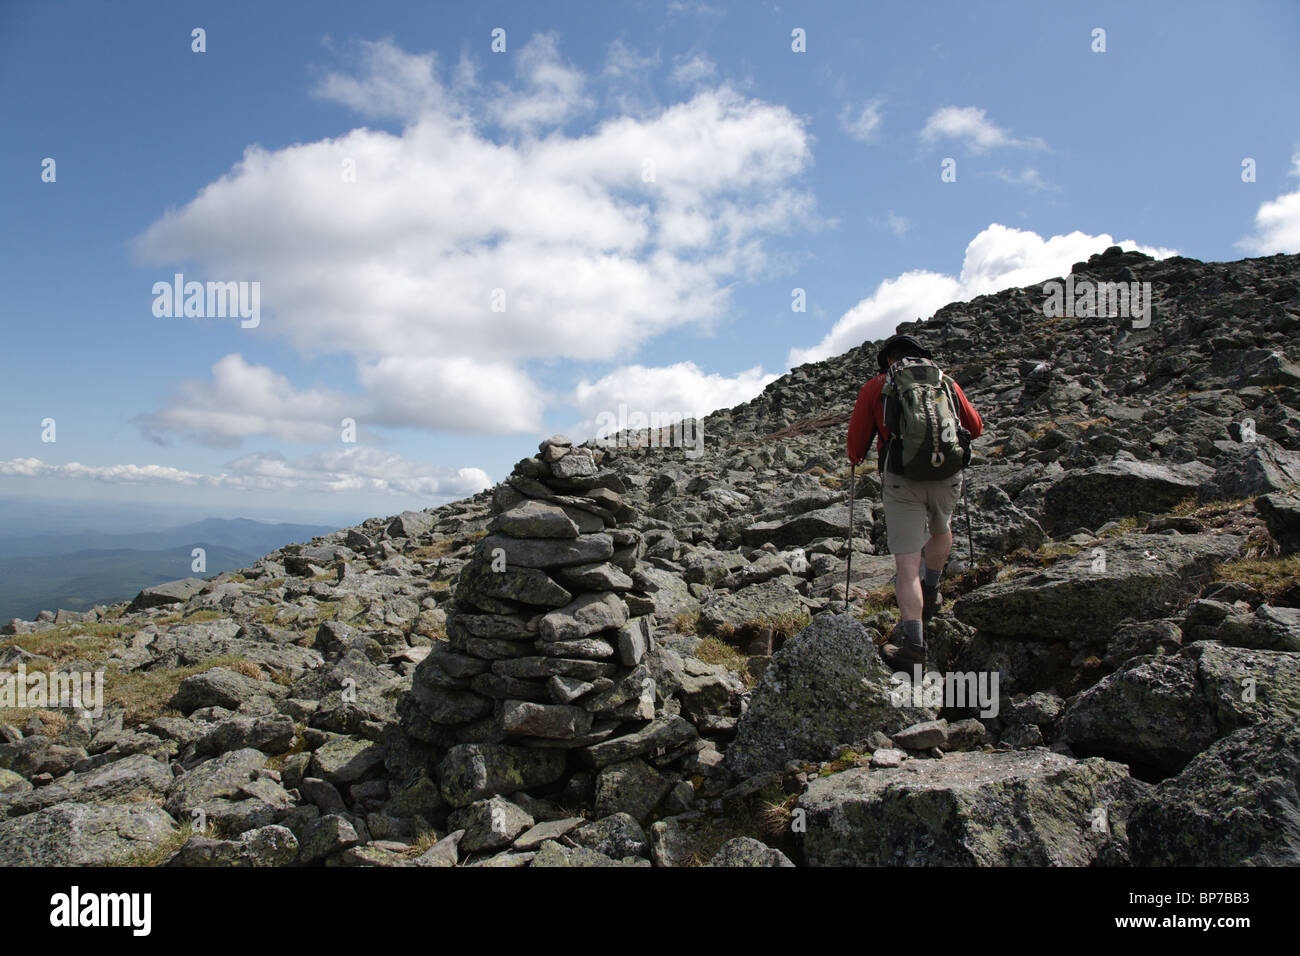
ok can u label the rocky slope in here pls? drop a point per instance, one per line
(633, 655)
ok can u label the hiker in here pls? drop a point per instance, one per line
(920, 479)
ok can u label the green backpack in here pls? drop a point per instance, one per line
(927, 442)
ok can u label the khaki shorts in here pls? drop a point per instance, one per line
(916, 510)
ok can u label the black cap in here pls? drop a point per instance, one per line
(909, 343)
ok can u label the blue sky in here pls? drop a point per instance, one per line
(645, 183)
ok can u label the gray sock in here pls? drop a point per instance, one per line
(912, 629)
(932, 578)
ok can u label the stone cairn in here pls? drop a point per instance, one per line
(543, 678)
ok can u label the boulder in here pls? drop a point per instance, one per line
(1281, 513)
(1090, 497)
(409, 524)
(172, 592)
(479, 584)
(756, 605)
(470, 772)
(489, 824)
(547, 552)
(557, 721)
(831, 522)
(1258, 468)
(632, 787)
(827, 686)
(993, 808)
(1157, 713)
(1234, 804)
(135, 778)
(265, 846)
(221, 687)
(618, 835)
(660, 735)
(746, 851)
(585, 616)
(534, 519)
(78, 834)
(216, 779)
(1090, 593)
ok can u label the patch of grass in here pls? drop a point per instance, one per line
(265, 614)
(424, 841)
(144, 695)
(201, 617)
(248, 669)
(784, 626)
(53, 722)
(1277, 577)
(1123, 526)
(429, 552)
(714, 651)
(92, 640)
(687, 623)
(1190, 507)
(158, 855)
(845, 761)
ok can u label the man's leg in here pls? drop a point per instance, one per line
(905, 523)
(941, 502)
(907, 584)
(936, 550)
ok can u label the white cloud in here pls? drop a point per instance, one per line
(894, 223)
(398, 269)
(972, 126)
(682, 388)
(354, 469)
(861, 123)
(243, 400)
(393, 83)
(1026, 177)
(622, 60)
(1277, 222)
(551, 92)
(454, 394)
(998, 258)
(690, 70)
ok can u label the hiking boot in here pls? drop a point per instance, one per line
(903, 652)
(931, 601)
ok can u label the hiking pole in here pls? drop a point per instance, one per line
(848, 571)
(970, 538)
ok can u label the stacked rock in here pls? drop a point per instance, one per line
(542, 658)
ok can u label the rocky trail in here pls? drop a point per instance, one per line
(628, 655)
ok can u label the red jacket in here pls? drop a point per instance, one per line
(869, 416)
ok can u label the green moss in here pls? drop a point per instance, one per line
(158, 855)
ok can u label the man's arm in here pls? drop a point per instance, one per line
(970, 419)
(862, 426)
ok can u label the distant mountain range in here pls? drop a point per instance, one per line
(78, 571)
